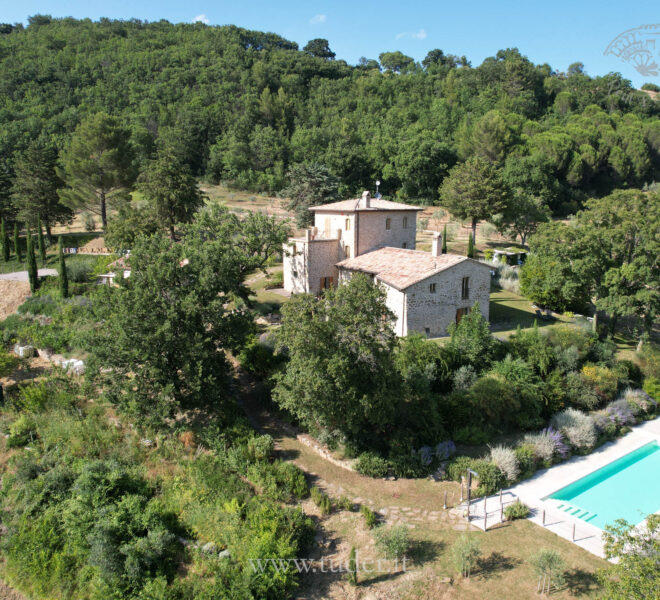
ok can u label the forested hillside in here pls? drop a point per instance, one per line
(243, 106)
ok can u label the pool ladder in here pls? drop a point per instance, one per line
(574, 511)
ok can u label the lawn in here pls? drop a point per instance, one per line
(504, 570)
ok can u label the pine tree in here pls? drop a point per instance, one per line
(64, 280)
(17, 245)
(444, 240)
(470, 249)
(42, 245)
(5, 241)
(33, 274)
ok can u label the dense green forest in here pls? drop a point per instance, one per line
(243, 106)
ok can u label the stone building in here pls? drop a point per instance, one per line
(426, 291)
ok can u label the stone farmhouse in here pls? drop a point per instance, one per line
(426, 291)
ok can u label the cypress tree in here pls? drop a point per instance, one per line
(5, 241)
(17, 245)
(64, 280)
(470, 250)
(42, 245)
(444, 240)
(33, 274)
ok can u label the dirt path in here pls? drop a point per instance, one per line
(401, 500)
(12, 295)
(6, 593)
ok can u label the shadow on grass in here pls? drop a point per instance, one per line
(422, 551)
(496, 563)
(507, 313)
(581, 582)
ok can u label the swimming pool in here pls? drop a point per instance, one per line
(628, 488)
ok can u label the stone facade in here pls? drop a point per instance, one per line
(309, 265)
(425, 291)
(431, 313)
(419, 309)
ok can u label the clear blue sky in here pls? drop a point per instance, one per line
(558, 32)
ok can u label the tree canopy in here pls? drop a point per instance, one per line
(242, 107)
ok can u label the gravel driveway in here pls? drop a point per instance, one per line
(23, 275)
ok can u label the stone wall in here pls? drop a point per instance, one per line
(374, 235)
(372, 229)
(435, 311)
(312, 260)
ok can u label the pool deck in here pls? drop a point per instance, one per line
(547, 481)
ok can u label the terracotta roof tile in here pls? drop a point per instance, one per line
(401, 268)
(358, 204)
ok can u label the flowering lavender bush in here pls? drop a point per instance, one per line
(445, 449)
(506, 461)
(426, 455)
(578, 427)
(621, 412)
(561, 449)
(639, 401)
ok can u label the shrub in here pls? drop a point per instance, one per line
(8, 362)
(546, 445)
(80, 269)
(526, 460)
(458, 467)
(640, 401)
(579, 392)
(259, 358)
(652, 387)
(413, 464)
(488, 254)
(491, 479)
(506, 461)
(345, 503)
(39, 305)
(568, 359)
(445, 449)
(578, 427)
(260, 447)
(630, 372)
(393, 541)
(89, 222)
(22, 432)
(465, 377)
(371, 465)
(352, 567)
(321, 500)
(291, 479)
(621, 413)
(275, 280)
(604, 380)
(369, 516)
(471, 435)
(517, 510)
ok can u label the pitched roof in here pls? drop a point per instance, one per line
(358, 204)
(120, 263)
(401, 268)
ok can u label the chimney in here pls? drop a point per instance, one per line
(436, 245)
(366, 197)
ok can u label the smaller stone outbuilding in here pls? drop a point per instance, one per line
(426, 292)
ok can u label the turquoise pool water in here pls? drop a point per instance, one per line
(628, 488)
